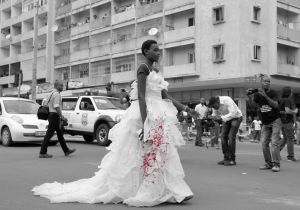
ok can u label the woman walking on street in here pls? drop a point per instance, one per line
(142, 167)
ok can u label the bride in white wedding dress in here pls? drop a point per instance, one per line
(136, 172)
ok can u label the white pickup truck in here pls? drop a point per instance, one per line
(92, 116)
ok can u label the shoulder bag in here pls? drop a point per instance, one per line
(43, 111)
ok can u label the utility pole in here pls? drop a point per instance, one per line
(19, 82)
(35, 50)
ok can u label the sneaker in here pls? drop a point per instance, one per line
(45, 156)
(70, 151)
(221, 162)
(276, 168)
(232, 163)
(291, 159)
(199, 144)
(265, 167)
(227, 163)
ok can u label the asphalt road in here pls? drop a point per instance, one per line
(241, 187)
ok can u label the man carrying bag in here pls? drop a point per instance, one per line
(55, 116)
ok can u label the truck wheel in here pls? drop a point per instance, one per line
(88, 138)
(6, 137)
(102, 135)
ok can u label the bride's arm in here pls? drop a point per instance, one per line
(177, 104)
(141, 77)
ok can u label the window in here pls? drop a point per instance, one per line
(191, 21)
(257, 52)
(65, 75)
(218, 53)
(86, 104)
(256, 14)
(69, 103)
(83, 73)
(218, 15)
(123, 67)
(191, 57)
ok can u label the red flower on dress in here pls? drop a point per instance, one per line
(155, 150)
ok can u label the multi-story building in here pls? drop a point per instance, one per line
(209, 47)
(16, 42)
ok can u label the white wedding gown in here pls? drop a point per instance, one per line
(134, 172)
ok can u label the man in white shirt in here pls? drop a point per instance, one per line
(201, 109)
(225, 109)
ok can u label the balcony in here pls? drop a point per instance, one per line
(100, 80)
(171, 4)
(4, 5)
(7, 79)
(5, 42)
(62, 59)
(42, 30)
(85, 80)
(127, 15)
(16, 19)
(16, 38)
(141, 39)
(80, 55)
(5, 60)
(27, 35)
(123, 46)
(295, 3)
(180, 34)
(99, 1)
(80, 29)
(63, 10)
(286, 33)
(15, 58)
(79, 4)
(64, 34)
(27, 55)
(183, 70)
(99, 51)
(5, 23)
(288, 69)
(122, 77)
(14, 2)
(100, 23)
(28, 15)
(149, 9)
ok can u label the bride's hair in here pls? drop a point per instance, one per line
(147, 44)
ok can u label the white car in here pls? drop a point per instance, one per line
(92, 116)
(19, 122)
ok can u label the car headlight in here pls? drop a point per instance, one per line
(118, 118)
(17, 119)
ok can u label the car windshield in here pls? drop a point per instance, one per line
(108, 103)
(20, 107)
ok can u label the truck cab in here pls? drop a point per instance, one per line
(92, 116)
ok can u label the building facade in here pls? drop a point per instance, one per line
(209, 47)
(16, 42)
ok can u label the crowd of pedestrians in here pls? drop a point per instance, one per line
(275, 125)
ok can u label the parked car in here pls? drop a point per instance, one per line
(92, 116)
(19, 122)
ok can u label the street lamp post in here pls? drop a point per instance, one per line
(35, 50)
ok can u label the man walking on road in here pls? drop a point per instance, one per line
(225, 109)
(267, 100)
(201, 109)
(55, 119)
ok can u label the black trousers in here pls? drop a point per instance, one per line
(228, 137)
(54, 125)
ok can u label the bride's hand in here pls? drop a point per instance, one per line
(141, 134)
